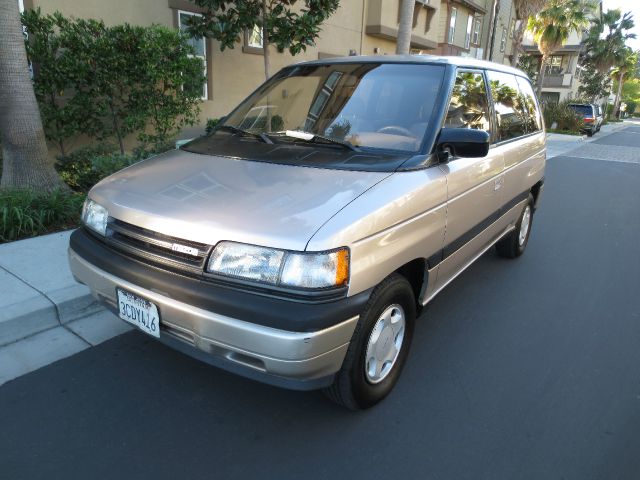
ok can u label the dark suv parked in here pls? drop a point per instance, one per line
(589, 117)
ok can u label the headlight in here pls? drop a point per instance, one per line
(279, 267)
(95, 216)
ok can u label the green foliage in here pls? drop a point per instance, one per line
(605, 40)
(529, 64)
(286, 26)
(109, 82)
(85, 167)
(76, 169)
(552, 26)
(561, 118)
(631, 94)
(631, 106)
(211, 124)
(26, 213)
(593, 83)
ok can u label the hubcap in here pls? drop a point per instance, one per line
(524, 225)
(384, 344)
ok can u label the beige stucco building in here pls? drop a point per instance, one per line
(560, 79)
(359, 27)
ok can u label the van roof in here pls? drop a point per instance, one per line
(419, 59)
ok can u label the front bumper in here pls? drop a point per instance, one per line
(291, 359)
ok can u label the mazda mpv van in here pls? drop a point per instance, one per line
(297, 243)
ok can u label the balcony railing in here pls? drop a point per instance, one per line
(558, 80)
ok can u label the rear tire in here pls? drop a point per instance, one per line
(514, 243)
(378, 349)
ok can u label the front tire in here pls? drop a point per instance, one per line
(514, 243)
(379, 346)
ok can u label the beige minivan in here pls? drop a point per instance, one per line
(297, 243)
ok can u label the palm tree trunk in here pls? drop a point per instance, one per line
(406, 26)
(518, 36)
(540, 77)
(616, 104)
(24, 148)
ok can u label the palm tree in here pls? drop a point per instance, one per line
(552, 26)
(24, 149)
(628, 64)
(524, 9)
(604, 52)
(405, 27)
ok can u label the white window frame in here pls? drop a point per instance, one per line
(250, 33)
(453, 17)
(205, 87)
(467, 37)
(477, 27)
(503, 40)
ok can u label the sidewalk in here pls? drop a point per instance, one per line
(559, 144)
(46, 316)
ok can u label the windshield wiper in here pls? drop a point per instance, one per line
(239, 131)
(314, 137)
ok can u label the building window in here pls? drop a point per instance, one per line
(476, 32)
(254, 39)
(199, 46)
(452, 24)
(554, 65)
(467, 37)
(503, 39)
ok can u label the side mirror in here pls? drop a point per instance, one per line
(463, 142)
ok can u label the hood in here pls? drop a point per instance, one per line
(207, 198)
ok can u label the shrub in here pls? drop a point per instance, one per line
(211, 124)
(76, 169)
(26, 213)
(564, 117)
(109, 82)
(85, 167)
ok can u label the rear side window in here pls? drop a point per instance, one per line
(533, 119)
(584, 110)
(469, 106)
(509, 105)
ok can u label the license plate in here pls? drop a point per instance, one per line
(139, 311)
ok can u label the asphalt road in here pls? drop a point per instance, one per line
(519, 369)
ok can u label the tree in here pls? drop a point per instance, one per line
(552, 26)
(631, 94)
(112, 81)
(24, 149)
(593, 84)
(404, 29)
(628, 66)
(281, 25)
(605, 41)
(529, 65)
(524, 9)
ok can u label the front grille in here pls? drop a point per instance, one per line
(155, 247)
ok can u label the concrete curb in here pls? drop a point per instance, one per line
(45, 315)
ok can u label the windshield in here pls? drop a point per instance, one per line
(386, 106)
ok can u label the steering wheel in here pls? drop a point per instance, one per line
(395, 129)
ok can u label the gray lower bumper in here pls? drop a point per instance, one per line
(297, 360)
